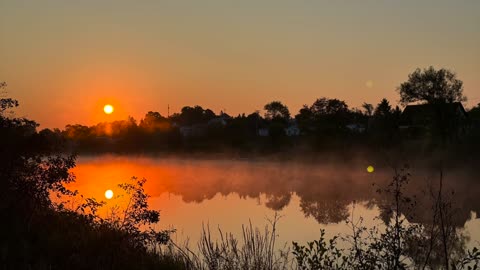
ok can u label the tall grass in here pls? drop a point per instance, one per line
(396, 243)
(255, 249)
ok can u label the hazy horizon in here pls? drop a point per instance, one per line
(64, 60)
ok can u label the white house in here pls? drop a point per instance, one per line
(292, 131)
(359, 128)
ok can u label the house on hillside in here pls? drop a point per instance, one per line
(449, 119)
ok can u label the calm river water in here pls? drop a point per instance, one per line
(308, 196)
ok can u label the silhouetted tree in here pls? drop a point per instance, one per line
(39, 232)
(431, 86)
(330, 116)
(6, 103)
(383, 109)
(77, 132)
(440, 89)
(277, 116)
(255, 121)
(325, 106)
(304, 119)
(385, 122)
(275, 110)
(51, 138)
(29, 171)
(474, 113)
(193, 115)
(154, 121)
(368, 108)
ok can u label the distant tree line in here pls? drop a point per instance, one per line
(326, 120)
(326, 123)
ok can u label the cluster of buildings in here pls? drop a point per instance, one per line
(414, 121)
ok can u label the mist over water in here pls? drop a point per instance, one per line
(226, 193)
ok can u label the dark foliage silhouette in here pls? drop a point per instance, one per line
(431, 86)
(328, 124)
(39, 232)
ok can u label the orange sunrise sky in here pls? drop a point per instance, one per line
(64, 60)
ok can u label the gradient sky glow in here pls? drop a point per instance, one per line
(63, 60)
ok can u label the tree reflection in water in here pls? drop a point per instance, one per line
(326, 191)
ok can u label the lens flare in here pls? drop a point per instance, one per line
(370, 169)
(369, 84)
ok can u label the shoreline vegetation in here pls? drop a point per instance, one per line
(428, 117)
(38, 232)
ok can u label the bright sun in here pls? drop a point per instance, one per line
(109, 194)
(108, 109)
